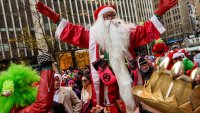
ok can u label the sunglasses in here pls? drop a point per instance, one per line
(84, 80)
(109, 16)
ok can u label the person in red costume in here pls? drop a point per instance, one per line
(116, 40)
(44, 99)
(159, 49)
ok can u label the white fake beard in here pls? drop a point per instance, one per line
(113, 36)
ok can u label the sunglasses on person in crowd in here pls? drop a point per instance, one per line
(84, 80)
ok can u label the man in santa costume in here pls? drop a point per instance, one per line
(113, 38)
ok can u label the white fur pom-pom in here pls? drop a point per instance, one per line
(102, 56)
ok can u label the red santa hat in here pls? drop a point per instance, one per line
(185, 52)
(178, 54)
(103, 9)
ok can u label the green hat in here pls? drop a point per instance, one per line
(188, 64)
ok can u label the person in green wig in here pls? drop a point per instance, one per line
(19, 95)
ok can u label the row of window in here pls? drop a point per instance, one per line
(176, 11)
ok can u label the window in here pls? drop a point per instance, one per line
(6, 47)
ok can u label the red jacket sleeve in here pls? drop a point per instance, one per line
(144, 34)
(45, 94)
(73, 34)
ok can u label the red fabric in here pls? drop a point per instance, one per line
(44, 98)
(142, 35)
(47, 11)
(136, 74)
(79, 36)
(135, 81)
(113, 93)
(170, 55)
(101, 94)
(86, 107)
(63, 84)
(76, 35)
(159, 49)
(99, 9)
(164, 6)
(185, 52)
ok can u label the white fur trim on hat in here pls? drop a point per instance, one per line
(102, 56)
(177, 54)
(105, 10)
(59, 76)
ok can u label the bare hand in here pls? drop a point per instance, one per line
(96, 109)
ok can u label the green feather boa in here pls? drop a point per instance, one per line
(24, 93)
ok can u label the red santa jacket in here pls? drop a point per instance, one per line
(44, 97)
(79, 36)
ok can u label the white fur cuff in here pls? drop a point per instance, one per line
(157, 24)
(60, 28)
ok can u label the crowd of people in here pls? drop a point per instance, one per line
(106, 85)
(80, 81)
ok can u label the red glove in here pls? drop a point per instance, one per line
(47, 11)
(164, 6)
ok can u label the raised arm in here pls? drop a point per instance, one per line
(73, 34)
(66, 31)
(45, 93)
(144, 34)
(151, 29)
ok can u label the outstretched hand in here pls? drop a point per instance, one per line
(47, 11)
(97, 109)
(40, 7)
(164, 6)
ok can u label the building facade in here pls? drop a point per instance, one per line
(13, 22)
(143, 10)
(178, 21)
(197, 13)
(22, 29)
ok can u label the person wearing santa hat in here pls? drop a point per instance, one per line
(159, 49)
(187, 64)
(116, 39)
